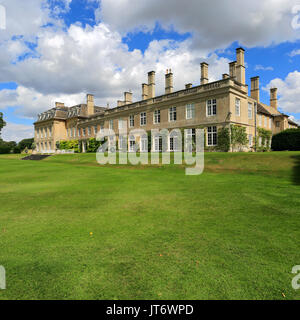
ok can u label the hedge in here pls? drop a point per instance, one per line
(287, 140)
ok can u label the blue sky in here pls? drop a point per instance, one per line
(62, 49)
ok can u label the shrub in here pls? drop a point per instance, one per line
(223, 140)
(286, 140)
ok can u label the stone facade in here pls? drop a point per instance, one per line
(211, 105)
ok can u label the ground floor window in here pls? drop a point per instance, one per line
(250, 140)
(132, 144)
(144, 144)
(158, 144)
(212, 136)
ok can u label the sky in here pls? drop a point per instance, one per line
(55, 50)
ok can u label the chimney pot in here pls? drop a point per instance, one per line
(204, 73)
(255, 88)
(273, 98)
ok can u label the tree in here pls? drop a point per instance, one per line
(2, 122)
(26, 143)
(238, 138)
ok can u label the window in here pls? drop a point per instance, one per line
(95, 130)
(120, 124)
(190, 139)
(123, 143)
(131, 121)
(237, 107)
(250, 111)
(78, 132)
(158, 144)
(132, 144)
(270, 123)
(174, 145)
(260, 120)
(277, 124)
(111, 124)
(266, 122)
(212, 136)
(102, 128)
(190, 111)
(211, 107)
(89, 131)
(250, 140)
(172, 114)
(144, 144)
(143, 119)
(156, 119)
(74, 132)
(84, 132)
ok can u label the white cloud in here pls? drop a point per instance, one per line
(95, 60)
(260, 67)
(288, 91)
(16, 132)
(294, 53)
(214, 23)
(295, 120)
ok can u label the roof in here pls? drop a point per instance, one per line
(293, 122)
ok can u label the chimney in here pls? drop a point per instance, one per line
(151, 84)
(225, 76)
(169, 82)
(144, 91)
(90, 104)
(188, 85)
(204, 73)
(127, 97)
(59, 104)
(273, 98)
(232, 69)
(240, 68)
(255, 88)
(120, 103)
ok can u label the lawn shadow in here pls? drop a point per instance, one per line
(296, 170)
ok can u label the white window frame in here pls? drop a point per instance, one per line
(250, 111)
(250, 138)
(131, 121)
(132, 144)
(79, 132)
(260, 120)
(211, 107)
(212, 134)
(270, 123)
(83, 132)
(143, 118)
(144, 144)
(156, 116)
(190, 111)
(111, 124)
(238, 107)
(102, 128)
(89, 131)
(95, 130)
(172, 114)
(266, 122)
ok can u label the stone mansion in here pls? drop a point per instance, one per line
(211, 105)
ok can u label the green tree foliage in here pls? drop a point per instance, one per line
(238, 138)
(26, 143)
(287, 140)
(68, 145)
(93, 145)
(223, 140)
(263, 140)
(2, 122)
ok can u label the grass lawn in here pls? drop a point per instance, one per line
(230, 233)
